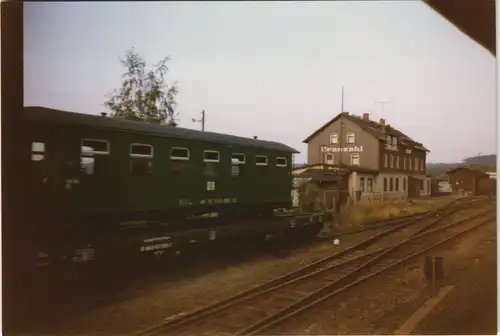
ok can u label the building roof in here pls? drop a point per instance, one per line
(48, 115)
(344, 169)
(474, 170)
(373, 128)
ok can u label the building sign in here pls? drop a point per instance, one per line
(354, 149)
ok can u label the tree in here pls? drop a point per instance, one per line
(144, 94)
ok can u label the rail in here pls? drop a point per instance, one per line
(348, 257)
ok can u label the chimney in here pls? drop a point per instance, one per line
(382, 123)
(366, 116)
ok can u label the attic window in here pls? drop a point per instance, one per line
(334, 138)
(394, 141)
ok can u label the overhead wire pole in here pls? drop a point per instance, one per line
(202, 120)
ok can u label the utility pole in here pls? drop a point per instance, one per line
(202, 120)
(341, 145)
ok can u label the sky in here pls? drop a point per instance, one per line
(274, 69)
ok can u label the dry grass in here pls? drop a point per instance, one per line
(358, 214)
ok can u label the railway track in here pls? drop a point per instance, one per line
(287, 295)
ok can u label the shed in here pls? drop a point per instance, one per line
(466, 179)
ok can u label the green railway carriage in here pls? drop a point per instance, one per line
(88, 165)
(117, 189)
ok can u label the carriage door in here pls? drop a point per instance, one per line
(40, 184)
(68, 176)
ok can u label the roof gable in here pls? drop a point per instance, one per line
(373, 128)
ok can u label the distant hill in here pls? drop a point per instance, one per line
(483, 162)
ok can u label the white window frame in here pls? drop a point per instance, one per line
(353, 156)
(351, 136)
(394, 141)
(39, 150)
(211, 151)
(258, 163)
(334, 136)
(327, 155)
(148, 156)
(180, 158)
(239, 162)
(92, 152)
(281, 165)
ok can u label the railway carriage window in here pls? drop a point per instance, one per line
(37, 151)
(179, 154)
(281, 162)
(95, 146)
(89, 150)
(260, 160)
(211, 156)
(240, 157)
(141, 159)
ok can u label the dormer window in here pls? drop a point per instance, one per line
(351, 138)
(394, 141)
(334, 138)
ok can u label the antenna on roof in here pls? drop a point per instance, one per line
(383, 103)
